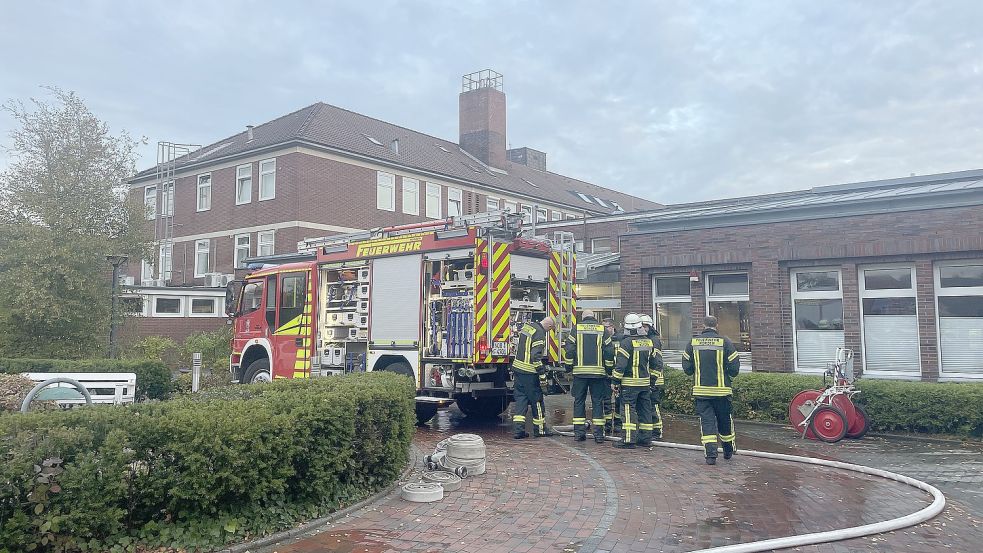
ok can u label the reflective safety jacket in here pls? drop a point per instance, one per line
(587, 348)
(712, 361)
(658, 378)
(637, 363)
(612, 341)
(529, 352)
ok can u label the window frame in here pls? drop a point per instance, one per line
(381, 176)
(434, 191)
(150, 209)
(236, 260)
(215, 312)
(165, 269)
(208, 254)
(795, 294)
(556, 215)
(510, 206)
(155, 313)
(527, 214)
(167, 199)
(239, 182)
(610, 244)
(656, 300)
(459, 200)
(497, 204)
(262, 173)
(708, 299)
(950, 291)
(542, 215)
(144, 306)
(208, 185)
(259, 241)
(146, 271)
(406, 187)
(912, 292)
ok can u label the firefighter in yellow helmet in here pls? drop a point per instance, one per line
(712, 361)
(529, 376)
(635, 365)
(585, 351)
(658, 379)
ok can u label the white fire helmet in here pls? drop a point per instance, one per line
(647, 320)
(633, 321)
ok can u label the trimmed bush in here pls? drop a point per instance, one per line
(893, 406)
(199, 472)
(153, 377)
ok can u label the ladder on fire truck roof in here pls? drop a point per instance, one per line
(500, 222)
(565, 243)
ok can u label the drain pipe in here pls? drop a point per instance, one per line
(927, 513)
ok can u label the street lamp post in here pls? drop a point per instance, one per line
(117, 262)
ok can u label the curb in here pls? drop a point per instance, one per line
(283, 535)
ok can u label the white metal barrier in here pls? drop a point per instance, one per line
(111, 388)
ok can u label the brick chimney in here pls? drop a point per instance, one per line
(482, 117)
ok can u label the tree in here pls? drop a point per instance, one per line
(63, 209)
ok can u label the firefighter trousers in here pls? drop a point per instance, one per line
(595, 385)
(657, 393)
(528, 395)
(609, 414)
(636, 414)
(716, 421)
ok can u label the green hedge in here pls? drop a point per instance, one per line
(893, 405)
(153, 377)
(202, 471)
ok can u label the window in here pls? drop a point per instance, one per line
(164, 265)
(571, 217)
(131, 305)
(728, 300)
(541, 215)
(601, 245)
(204, 192)
(202, 248)
(146, 271)
(242, 250)
(889, 321)
(264, 242)
(168, 306)
(556, 216)
(411, 196)
(579, 245)
(385, 191)
(167, 200)
(673, 309)
(959, 293)
(252, 296)
(204, 307)
(454, 202)
(267, 179)
(244, 184)
(433, 200)
(293, 291)
(491, 204)
(150, 202)
(511, 207)
(527, 214)
(817, 312)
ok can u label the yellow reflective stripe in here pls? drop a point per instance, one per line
(634, 381)
(708, 439)
(713, 391)
(577, 420)
(589, 370)
(646, 426)
(539, 342)
(621, 351)
(685, 355)
(518, 418)
(597, 421)
(733, 356)
(696, 369)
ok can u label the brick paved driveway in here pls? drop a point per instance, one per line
(557, 495)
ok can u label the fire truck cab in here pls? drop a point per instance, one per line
(440, 302)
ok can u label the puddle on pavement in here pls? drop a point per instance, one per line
(341, 541)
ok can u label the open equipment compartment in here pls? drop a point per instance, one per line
(449, 317)
(342, 331)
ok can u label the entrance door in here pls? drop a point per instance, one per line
(292, 338)
(890, 321)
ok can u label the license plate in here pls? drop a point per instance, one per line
(500, 349)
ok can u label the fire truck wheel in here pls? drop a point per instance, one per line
(258, 371)
(425, 412)
(482, 407)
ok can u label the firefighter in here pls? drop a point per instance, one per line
(658, 378)
(529, 376)
(635, 366)
(585, 352)
(712, 361)
(611, 416)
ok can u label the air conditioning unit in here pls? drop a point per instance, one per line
(126, 280)
(159, 283)
(227, 278)
(148, 282)
(214, 280)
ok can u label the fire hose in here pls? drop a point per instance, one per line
(927, 513)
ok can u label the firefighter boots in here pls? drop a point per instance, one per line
(711, 460)
(624, 445)
(728, 450)
(520, 434)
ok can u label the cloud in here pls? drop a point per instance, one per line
(673, 101)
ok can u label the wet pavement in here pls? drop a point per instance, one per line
(554, 494)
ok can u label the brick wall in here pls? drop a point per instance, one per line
(768, 251)
(175, 328)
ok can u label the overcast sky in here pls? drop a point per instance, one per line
(672, 101)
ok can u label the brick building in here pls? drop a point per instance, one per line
(892, 269)
(324, 170)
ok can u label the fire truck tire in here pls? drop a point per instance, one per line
(258, 371)
(828, 424)
(422, 492)
(860, 425)
(425, 412)
(482, 407)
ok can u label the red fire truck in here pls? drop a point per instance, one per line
(439, 301)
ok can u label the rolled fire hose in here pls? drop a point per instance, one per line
(450, 482)
(927, 513)
(422, 492)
